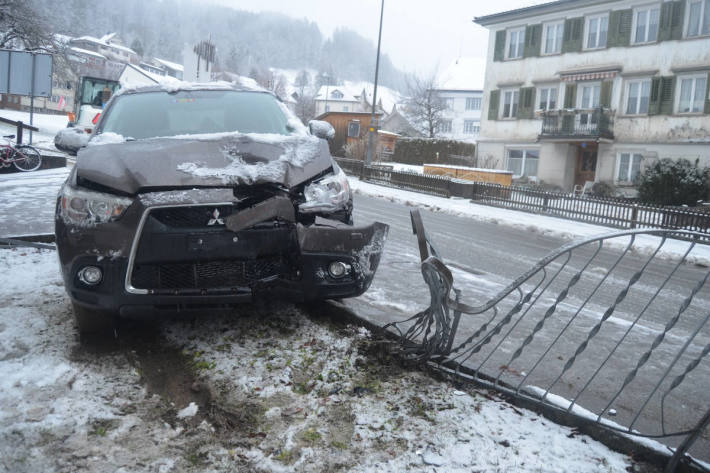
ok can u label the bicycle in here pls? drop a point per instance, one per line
(24, 157)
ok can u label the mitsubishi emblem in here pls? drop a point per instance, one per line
(215, 220)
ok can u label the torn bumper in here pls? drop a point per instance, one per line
(169, 270)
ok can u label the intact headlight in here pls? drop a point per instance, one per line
(82, 207)
(328, 194)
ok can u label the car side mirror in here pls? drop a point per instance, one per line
(321, 129)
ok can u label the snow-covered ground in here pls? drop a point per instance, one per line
(48, 125)
(272, 390)
(527, 222)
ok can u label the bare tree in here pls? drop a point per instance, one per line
(21, 27)
(424, 107)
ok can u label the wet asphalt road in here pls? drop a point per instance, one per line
(485, 257)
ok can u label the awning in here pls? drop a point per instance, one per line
(589, 76)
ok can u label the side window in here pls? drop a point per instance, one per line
(597, 30)
(628, 167)
(515, 43)
(354, 129)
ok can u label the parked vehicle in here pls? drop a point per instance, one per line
(207, 195)
(92, 95)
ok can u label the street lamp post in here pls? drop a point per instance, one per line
(373, 120)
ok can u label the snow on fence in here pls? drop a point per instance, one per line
(617, 213)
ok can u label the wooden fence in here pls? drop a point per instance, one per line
(617, 213)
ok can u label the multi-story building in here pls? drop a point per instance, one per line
(596, 90)
(109, 45)
(461, 89)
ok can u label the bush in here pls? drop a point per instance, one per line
(603, 189)
(669, 182)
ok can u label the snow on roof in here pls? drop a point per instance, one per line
(102, 42)
(172, 65)
(465, 73)
(87, 52)
(352, 92)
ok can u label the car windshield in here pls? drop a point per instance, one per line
(192, 112)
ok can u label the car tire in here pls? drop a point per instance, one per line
(92, 321)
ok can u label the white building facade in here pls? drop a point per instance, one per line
(596, 90)
(462, 119)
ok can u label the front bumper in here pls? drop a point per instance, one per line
(216, 267)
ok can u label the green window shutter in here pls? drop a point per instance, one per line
(666, 93)
(620, 28)
(493, 102)
(570, 95)
(572, 37)
(526, 106)
(499, 51)
(654, 105)
(707, 95)
(533, 38)
(671, 21)
(605, 93)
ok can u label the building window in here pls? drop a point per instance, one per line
(473, 103)
(638, 93)
(691, 94)
(510, 104)
(327, 108)
(516, 39)
(346, 108)
(445, 126)
(547, 98)
(354, 129)
(628, 167)
(471, 127)
(552, 42)
(336, 94)
(523, 162)
(448, 103)
(646, 24)
(597, 28)
(698, 17)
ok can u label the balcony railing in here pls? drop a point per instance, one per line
(591, 124)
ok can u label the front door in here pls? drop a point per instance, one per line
(586, 165)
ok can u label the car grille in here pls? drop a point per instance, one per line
(207, 275)
(190, 217)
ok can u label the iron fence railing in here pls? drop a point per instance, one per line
(584, 123)
(610, 212)
(565, 336)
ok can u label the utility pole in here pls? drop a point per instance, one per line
(373, 120)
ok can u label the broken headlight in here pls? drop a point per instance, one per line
(82, 207)
(328, 194)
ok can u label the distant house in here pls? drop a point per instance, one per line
(109, 46)
(332, 98)
(349, 127)
(397, 122)
(461, 88)
(171, 69)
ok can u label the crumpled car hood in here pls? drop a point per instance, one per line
(221, 161)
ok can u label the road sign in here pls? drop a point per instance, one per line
(25, 73)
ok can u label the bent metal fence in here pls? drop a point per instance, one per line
(615, 213)
(591, 331)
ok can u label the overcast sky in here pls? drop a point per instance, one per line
(418, 35)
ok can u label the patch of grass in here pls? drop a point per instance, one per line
(195, 458)
(99, 431)
(311, 435)
(286, 456)
(203, 365)
(339, 445)
(302, 388)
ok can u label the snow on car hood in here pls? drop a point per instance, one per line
(212, 161)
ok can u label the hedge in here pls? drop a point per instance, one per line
(422, 150)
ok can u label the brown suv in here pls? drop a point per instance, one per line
(206, 196)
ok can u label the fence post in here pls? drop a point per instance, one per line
(634, 215)
(18, 138)
(544, 204)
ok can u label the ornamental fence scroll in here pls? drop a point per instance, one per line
(615, 213)
(589, 325)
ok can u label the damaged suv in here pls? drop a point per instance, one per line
(206, 196)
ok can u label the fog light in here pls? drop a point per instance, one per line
(337, 269)
(90, 275)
